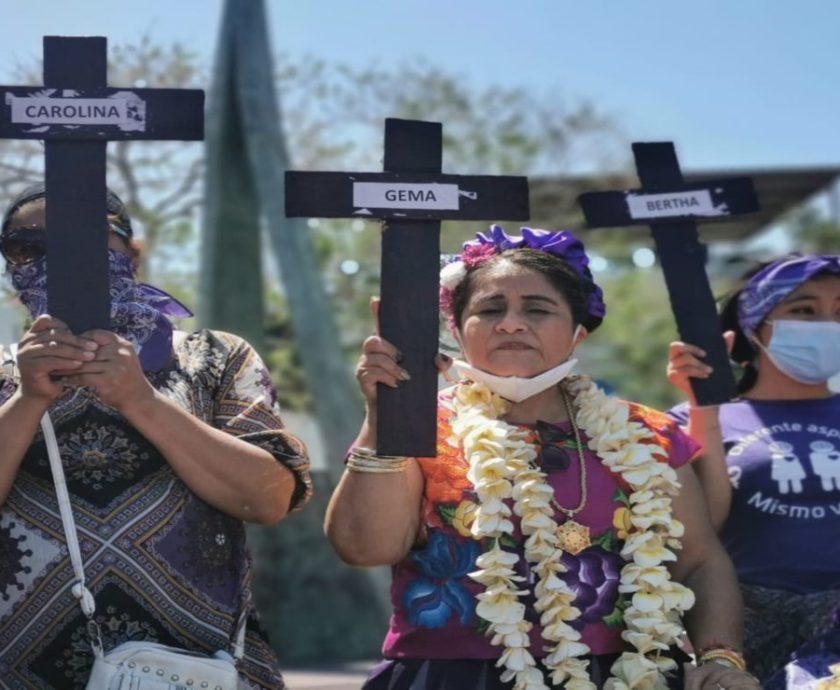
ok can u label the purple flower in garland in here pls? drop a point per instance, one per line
(431, 599)
(593, 575)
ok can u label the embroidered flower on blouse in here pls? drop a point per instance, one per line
(431, 599)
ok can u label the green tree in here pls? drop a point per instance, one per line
(629, 352)
(348, 255)
(160, 182)
(334, 116)
(333, 119)
(814, 232)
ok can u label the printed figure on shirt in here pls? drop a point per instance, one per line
(825, 460)
(786, 468)
(770, 468)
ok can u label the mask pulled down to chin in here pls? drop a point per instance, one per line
(516, 388)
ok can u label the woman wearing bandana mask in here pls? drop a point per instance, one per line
(771, 467)
(539, 548)
(170, 440)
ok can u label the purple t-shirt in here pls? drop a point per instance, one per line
(784, 466)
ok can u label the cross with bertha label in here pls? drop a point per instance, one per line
(673, 208)
(411, 197)
(76, 114)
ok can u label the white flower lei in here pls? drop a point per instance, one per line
(501, 467)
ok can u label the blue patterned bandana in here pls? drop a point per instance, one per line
(772, 284)
(138, 311)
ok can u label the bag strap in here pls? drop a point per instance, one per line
(80, 591)
(83, 595)
(242, 620)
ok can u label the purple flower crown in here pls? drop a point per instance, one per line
(560, 243)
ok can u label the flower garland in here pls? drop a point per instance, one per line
(502, 467)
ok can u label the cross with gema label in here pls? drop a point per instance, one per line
(673, 208)
(410, 197)
(76, 114)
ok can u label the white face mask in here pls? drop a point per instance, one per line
(806, 351)
(518, 388)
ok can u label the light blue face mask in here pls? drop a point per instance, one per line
(806, 351)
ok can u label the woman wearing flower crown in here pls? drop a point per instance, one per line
(558, 537)
(771, 469)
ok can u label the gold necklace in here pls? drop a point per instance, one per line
(571, 535)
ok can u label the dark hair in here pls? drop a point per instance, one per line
(574, 289)
(743, 351)
(114, 207)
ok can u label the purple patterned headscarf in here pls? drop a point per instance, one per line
(560, 243)
(773, 283)
(138, 311)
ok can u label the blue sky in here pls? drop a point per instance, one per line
(734, 84)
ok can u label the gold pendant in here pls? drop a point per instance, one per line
(573, 537)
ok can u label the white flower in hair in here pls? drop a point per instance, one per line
(452, 274)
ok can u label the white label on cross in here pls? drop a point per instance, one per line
(123, 109)
(408, 195)
(691, 203)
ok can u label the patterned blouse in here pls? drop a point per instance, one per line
(162, 564)
(434, 598)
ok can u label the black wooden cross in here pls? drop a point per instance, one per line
(411, 198)
(77, 114)
(673, 208)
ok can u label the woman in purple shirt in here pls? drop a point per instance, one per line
(771, 464)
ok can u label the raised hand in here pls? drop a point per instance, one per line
(685, 362)
(379, 362)
(47, 354)
(713, 676)
(115, 374)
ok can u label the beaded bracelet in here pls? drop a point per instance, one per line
(724, 656)
(361, 459)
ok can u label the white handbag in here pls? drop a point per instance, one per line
(151, 666)
(138, 665)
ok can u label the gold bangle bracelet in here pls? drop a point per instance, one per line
(371, 454)
(362, 459)
(369, 463)
(374, 469)
(724, 657)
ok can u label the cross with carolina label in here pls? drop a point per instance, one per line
(410, 197)
(672, 209)
(76, 114)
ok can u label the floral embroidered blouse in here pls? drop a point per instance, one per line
(432, 594)
(163, 565)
